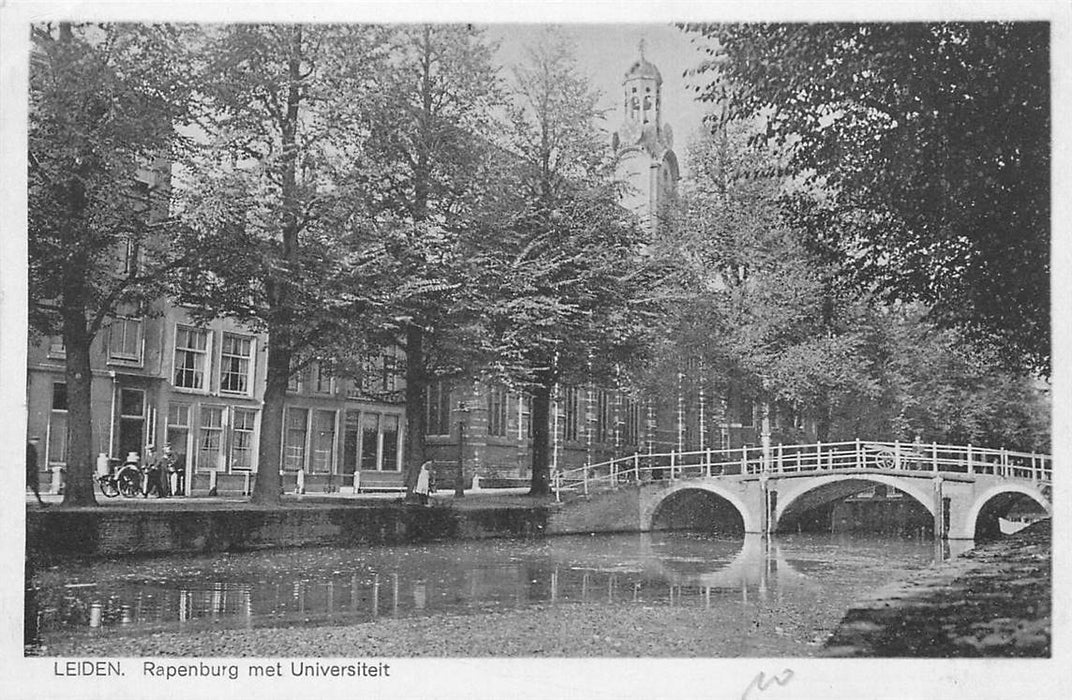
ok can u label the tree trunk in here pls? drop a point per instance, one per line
(268, 487)
(541, 434)
(77, 339)
(79, 376)
(416, 392)
(416, 381)
(823, 420)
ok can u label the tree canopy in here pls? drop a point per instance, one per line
(560, 266)
(104, 103)
(760, 315)
(930, 144)
(428, 123)
(275, 174)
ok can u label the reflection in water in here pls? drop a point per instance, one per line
(333, 586)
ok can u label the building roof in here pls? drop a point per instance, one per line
(642, 68)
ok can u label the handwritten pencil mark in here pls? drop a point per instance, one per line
(761, 682)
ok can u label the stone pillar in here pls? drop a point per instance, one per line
(939, 510)
(764, 505)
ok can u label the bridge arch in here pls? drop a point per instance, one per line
(798, 495)
(748, 515)
(971, 518)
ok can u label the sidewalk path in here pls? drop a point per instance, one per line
(473, 499)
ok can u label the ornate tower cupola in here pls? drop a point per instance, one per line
(644, 145)
(643, 94)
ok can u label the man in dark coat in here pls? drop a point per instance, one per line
(32, 477)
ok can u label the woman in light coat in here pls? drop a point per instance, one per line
(424, 478)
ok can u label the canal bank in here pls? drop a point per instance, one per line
(993, 601)
(147, 527)
(164, 527)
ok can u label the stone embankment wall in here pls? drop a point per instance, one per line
(993, 601)
(613, 511)
(108, 533)
(174, 529)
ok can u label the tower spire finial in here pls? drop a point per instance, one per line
(643, 44)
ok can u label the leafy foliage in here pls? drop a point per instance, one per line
(275, 228)
(428, 122)
(762, 314)
(104, 100)
(930, 145)
(561, 265)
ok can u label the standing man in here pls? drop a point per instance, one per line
(168, 479)
(32, 477)
(150, 472)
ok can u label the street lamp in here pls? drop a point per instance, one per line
(459, 482)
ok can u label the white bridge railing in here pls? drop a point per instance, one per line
(783, 460)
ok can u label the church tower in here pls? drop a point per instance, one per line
(647, 164)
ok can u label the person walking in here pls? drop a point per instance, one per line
(33, 479)
(423, 479)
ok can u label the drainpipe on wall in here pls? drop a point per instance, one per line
(111, 428)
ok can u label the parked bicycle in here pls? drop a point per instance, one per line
(126, 481)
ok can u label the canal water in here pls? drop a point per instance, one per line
(811, 578)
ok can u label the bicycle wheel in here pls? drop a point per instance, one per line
(129, 482)
(108, 486)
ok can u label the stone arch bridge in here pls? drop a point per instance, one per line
(770, 486)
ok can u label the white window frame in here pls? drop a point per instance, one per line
(317, 380)
(221, 430)
(312, 440)
(298, 381)
(124, 358)
(53, 414)
(206, 354)
(233, 443)
(399, 439)
(305, 442)
(227, 358)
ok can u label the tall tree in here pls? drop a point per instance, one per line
(104, 103)
(428, 126)
(757, 310)
(565, 266)
(272, 204)
(931, 144)
(766, 317)
(933, 384)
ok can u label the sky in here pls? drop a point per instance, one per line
(605, 52)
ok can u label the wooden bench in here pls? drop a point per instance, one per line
(378, 481)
